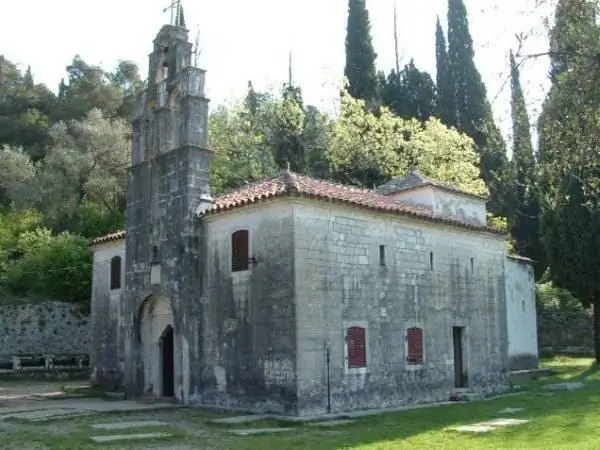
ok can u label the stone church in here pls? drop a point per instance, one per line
(295, 295)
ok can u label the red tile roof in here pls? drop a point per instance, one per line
(109, 237)
(291, 184)
(416, 180)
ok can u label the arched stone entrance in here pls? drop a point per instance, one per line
(158, 346)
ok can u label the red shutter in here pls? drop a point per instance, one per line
(357, 350)
(414, 337)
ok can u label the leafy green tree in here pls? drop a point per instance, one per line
(13, 223)
(360, 55)
(240, 142)
(368, 149)
(26, 110)
(56, 267)
(89, 87)
(287, 134)
(127, 79)
(317, 134)
(87, 162)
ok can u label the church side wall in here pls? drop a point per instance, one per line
(249, 339)
(340, 284)
(521, 315)
(105, 364)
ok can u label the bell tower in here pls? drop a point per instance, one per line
(168, 186)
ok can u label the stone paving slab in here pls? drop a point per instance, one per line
(511, 410)
(241, 419)
(129, 437)
(489, 425)
(129, 425)
(568, 386)
(44, 414)
(473, 429)
(89, 405)
(252, 431)
(504, 422)
(331, 423)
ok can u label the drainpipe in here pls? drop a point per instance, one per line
(328, 361)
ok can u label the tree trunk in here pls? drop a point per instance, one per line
(597, 329)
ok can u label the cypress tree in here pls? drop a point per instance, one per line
(446, 107)
(473, 111)
(409, 94)
(524, 217)
(360, 55)
(569, 160)
(569, 36)
(471, 101)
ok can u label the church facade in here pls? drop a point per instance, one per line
(294, 295)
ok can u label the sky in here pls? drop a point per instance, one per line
(250, 40)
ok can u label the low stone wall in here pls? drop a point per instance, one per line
(565, 333)
(36, 328)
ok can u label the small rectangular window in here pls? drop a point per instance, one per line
(240, 252)
(357, 349)
(430, 260)
(382, 255)
(115, 273)
(414, 346)
(472, 265)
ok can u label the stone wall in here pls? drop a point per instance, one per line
(55, 328)
(521, 315)
(433, 277)
(566, 333)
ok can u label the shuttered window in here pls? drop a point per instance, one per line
(115, 273)
(357, 350)
(240, 253)
(414, 341)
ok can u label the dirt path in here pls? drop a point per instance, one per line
(18, 392)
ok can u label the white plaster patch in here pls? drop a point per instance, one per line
(220, 376)
(129, 437)
(278, 371)
(128, 425)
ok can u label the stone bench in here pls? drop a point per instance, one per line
(43, 363)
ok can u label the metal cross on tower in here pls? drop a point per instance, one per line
(175, 8)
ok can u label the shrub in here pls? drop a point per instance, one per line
(52, 267)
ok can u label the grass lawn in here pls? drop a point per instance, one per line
(561, 421)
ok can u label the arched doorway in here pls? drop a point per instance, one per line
(167, 366)
(157, 345)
